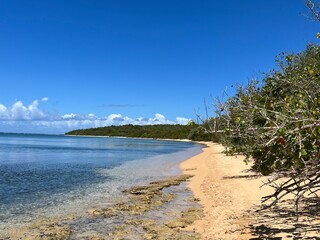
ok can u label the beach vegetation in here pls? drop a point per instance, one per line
(191, 123)
(275, 123)
(190, 131)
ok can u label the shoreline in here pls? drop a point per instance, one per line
(163, 209)
(157, 139)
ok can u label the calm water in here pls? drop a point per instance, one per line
(45, 176)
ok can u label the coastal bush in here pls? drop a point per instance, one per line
(276, 123)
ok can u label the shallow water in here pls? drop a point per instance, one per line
(44, 176)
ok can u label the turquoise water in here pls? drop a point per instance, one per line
(45, 176)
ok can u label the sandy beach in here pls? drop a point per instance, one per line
(231, 199)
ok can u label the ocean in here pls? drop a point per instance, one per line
(48, 176)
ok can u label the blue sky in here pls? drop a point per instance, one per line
(77, 64)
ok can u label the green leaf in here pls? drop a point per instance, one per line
(303, 152)
(282, 131)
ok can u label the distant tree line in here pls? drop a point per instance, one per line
(190, 131)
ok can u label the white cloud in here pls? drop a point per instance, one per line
(69, 116)
(45, 99)
(3, 112)
(75, 116)
(21, 118)
(91, 116)
(182, 120)
(34, 113)
(114, 118)
(18, 111)
(159, 117)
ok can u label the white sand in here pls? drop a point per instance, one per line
(222, 185)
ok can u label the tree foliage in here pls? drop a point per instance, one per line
(314, 7)
(276, 123)
(165, 131)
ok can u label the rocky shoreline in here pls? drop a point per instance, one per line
(133, 218)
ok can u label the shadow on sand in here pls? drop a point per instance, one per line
(248, 176)
(284, 222)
